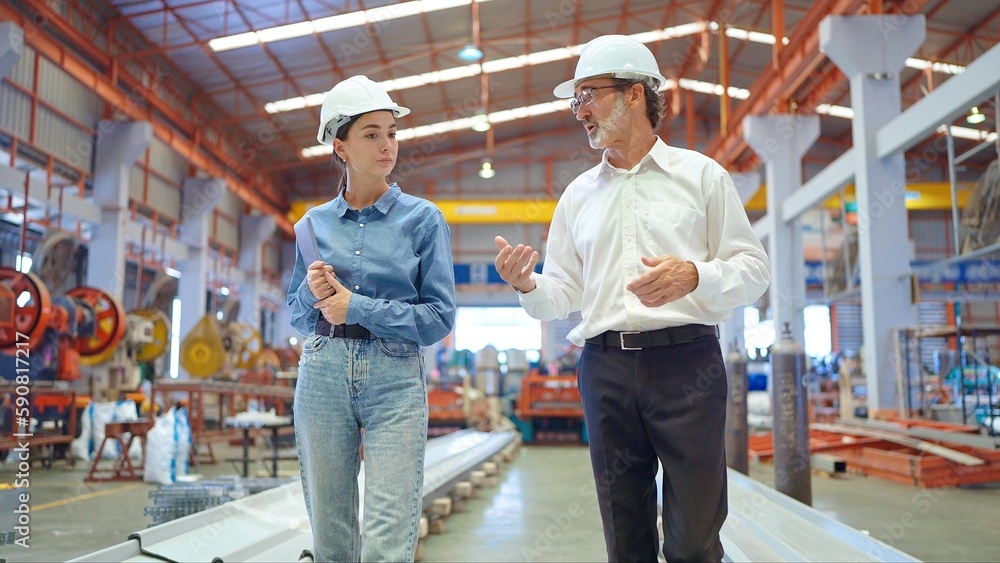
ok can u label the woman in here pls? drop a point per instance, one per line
(381, 286)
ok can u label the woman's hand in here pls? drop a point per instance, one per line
(317, 282)
(334, 307)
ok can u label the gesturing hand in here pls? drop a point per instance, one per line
(334, 307)
(316, 279)
(515, 265)
(670, 279)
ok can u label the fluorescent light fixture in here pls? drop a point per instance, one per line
(23, 299)
(975, 116)
(487, 170)
(488, 67)
(481, 123)
(175, 337)
(768, 39)
(514, 114)
(470, 53)
(968, 133)
(944, 68)
(835, 111)
(332, 23)
(171, 272)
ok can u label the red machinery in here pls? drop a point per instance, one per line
(60, 333)
(549, 409)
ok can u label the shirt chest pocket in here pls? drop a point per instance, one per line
(667, 228)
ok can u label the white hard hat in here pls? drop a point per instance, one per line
(350, 98)
(618, 56)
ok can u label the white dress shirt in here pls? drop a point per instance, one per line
(674, 201)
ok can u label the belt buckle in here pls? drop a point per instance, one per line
(621, 340)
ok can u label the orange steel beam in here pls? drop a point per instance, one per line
(435, 65)
(724, 80)
(104, 87)
(798, 59)
(777, 29)
(696, 55)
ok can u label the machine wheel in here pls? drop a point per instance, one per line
(30, 319)
(109, 326)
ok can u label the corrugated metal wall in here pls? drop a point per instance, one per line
(165, 196)
(15, 107)
(930, 232)
(57, 135)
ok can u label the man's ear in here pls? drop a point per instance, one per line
(636, 95)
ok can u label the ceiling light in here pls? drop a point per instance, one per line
(487, 170)
(359, 18)
(975, 116)
(488, 67)
(470, 53)
(481, 123)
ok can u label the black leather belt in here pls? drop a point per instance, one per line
(651, 339)
(324, 328)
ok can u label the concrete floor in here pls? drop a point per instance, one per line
(542, 510)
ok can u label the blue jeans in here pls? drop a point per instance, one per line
(345, 385)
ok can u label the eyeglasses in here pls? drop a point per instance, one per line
(586, 96)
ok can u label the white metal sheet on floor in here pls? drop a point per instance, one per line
(273, 525)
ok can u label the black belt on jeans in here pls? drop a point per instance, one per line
(653, 338)
(324, 328)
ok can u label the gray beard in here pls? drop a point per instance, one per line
(599, 136)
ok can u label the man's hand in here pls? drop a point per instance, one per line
(316, 280)
(670, 279)
(515, 265)
(334, 307)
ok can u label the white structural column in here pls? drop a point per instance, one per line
(747, 185)
(282, 323)
(781, 141)
(119, 144)
(254, 231)
(11, 46)
(201, 195)
(871, 51)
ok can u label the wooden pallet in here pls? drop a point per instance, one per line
(889, 460)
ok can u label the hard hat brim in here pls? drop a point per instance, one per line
(327, 139)
(567, 89)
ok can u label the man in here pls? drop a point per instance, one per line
(653, 246)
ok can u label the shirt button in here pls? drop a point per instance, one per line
(635, 327)
(630, 176)
(361, 224)
(629, 273)
(628, 239)
(357, 287)
(628, 206)
(357, 252)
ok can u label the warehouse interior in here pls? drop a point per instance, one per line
(155, 156)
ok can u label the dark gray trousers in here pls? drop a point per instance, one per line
(666, 403)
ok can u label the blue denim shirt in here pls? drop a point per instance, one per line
(395, 256)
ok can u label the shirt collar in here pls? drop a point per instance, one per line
(659, 153)
(383, 204)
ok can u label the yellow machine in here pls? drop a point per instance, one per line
(217, 348)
